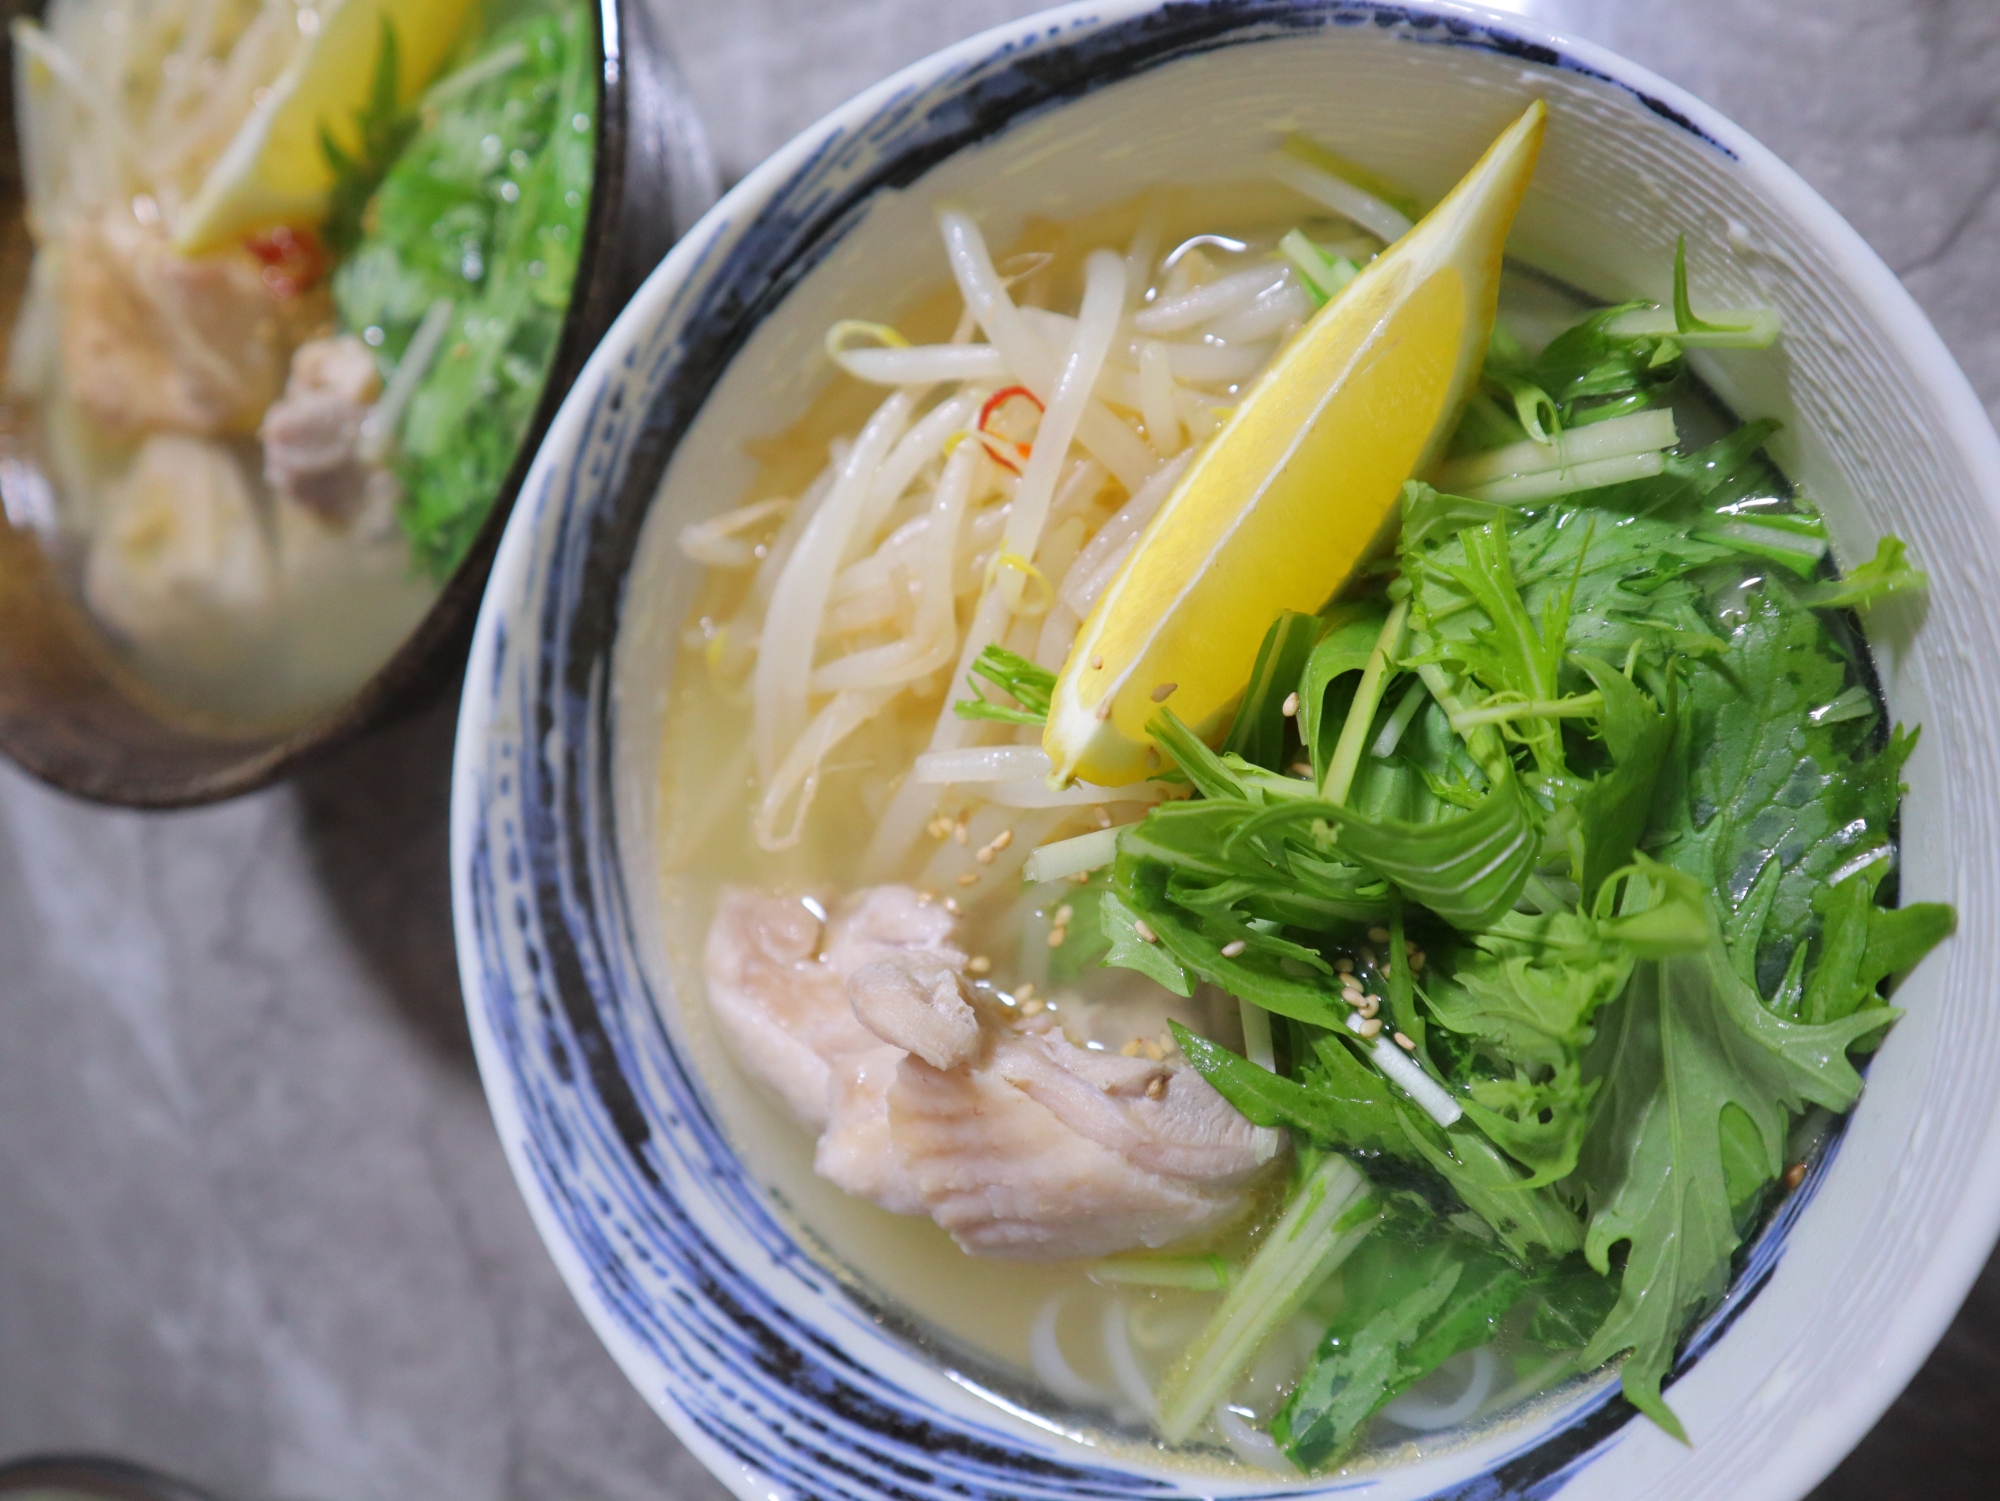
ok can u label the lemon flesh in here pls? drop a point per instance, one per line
(273, 171)
(1300, 486)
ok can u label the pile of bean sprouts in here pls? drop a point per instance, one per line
(990, 498)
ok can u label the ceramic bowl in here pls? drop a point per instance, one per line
(72, 714)
(786, 1372)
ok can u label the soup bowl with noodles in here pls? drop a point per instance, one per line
(719, 663)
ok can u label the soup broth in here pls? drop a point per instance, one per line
(903, 791)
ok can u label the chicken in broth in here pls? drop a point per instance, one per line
(299, 270)
(1197, 766)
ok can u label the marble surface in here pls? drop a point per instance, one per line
(254, 1225)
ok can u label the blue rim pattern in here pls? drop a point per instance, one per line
(615, 1128)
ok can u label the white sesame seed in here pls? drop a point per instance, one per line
(970, 878)
(1057, 935)
(984, 855)
(1131, 1049)
(1001, 840)
(978, 964)
(1064, 914)
(1300, 769)
(1164, 692)
(1291, 705)
(1097, 664)
(1405, 1044)
(1234, 947)
(1370, 1028)
(961, 833)
(1344, 966)
(1156, 1087)
(1378, 935)
(1146, 934)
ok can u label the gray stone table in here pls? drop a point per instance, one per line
(254, 1225)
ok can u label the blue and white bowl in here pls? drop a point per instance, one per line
(783, 1371)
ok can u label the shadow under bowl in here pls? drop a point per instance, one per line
(74, 714)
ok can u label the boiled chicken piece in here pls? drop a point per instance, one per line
(180, 561)
(934, 1097)
(153, 341)
(313, 433)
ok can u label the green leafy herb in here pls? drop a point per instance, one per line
(1028, 685)
(485, 210)
(382, 130)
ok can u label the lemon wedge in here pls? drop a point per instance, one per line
(273, 171)
(1301, 484)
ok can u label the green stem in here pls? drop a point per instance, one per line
(1330, 1215)
(1574, 707)
(1361, 713)
(1481, 739)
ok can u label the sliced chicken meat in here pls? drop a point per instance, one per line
(313, 433)
(932, 1097)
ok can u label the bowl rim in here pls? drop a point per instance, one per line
(1955, 1256)
(644, 130)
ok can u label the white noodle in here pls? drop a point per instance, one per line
(1124, 1364)
(1412, 1410)
(791, 627)
(1251, 1445)
(1051, 1368)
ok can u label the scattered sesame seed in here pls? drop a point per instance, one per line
(984, 854)
(1344, 966)
(938, 828)
(1033, 1006)
(1001, 840)
(1131, 1049)
(1057, 935)
(979, 964)
(1025, 991)
(1378, 935)
(1370, 1028)
(1370, 1005)
(960, 833)
(1081, 878)
(1291, 705)
(1794, 1176)
(1234, 947)
(1064, 914)
(1154, 1051)
(970, 878)
(1164, 692)
(1097, 664)
(1353, 998)
(1300, 769)
(1146, 934)
(1417, 959)
(1156, 1087)
(1405, 1044)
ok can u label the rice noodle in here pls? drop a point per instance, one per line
(1051, 1368)
(1284, 307)
(1414, 1410)
(1112, 1326)
(1251, 1445)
